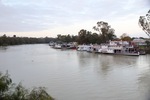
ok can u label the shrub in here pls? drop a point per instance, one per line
(8, 91)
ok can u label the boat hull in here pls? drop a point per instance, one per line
(127, 54)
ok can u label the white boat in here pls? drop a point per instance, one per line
(51, 44)
(68, 46)
(57, 46)
(84, 47)
(120, 49)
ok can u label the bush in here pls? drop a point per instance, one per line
(8, 91)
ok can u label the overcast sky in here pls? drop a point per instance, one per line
(42, 18)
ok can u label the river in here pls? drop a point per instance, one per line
(74, 75)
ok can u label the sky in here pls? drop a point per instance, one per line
(41, 18)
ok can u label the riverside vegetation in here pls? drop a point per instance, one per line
(10, 91)
(6, 40)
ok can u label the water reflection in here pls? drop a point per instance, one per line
(144, 84)
(144, 76)
(128, 71)
(105, 63)
(86, 59)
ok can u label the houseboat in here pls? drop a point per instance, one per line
(119, 48)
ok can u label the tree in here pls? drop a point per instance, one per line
(74, 38)
(20, 93)
(125, 37)
(66, 38)
(105, 31)
(144, 23)
(147, 43)
(94, 38)
(82, 36)
(39, 94)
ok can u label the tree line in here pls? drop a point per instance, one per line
(6, 40)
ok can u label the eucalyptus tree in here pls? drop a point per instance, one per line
(125, 37)
(144, 23)
(105, 31)
(82, 38)
(87, 37)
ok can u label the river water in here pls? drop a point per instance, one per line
(74, 75)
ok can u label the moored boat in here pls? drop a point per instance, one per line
(83, 47)
(118, 49)
(57, 46)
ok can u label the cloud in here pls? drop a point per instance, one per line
(24, 16)
(40, 15)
